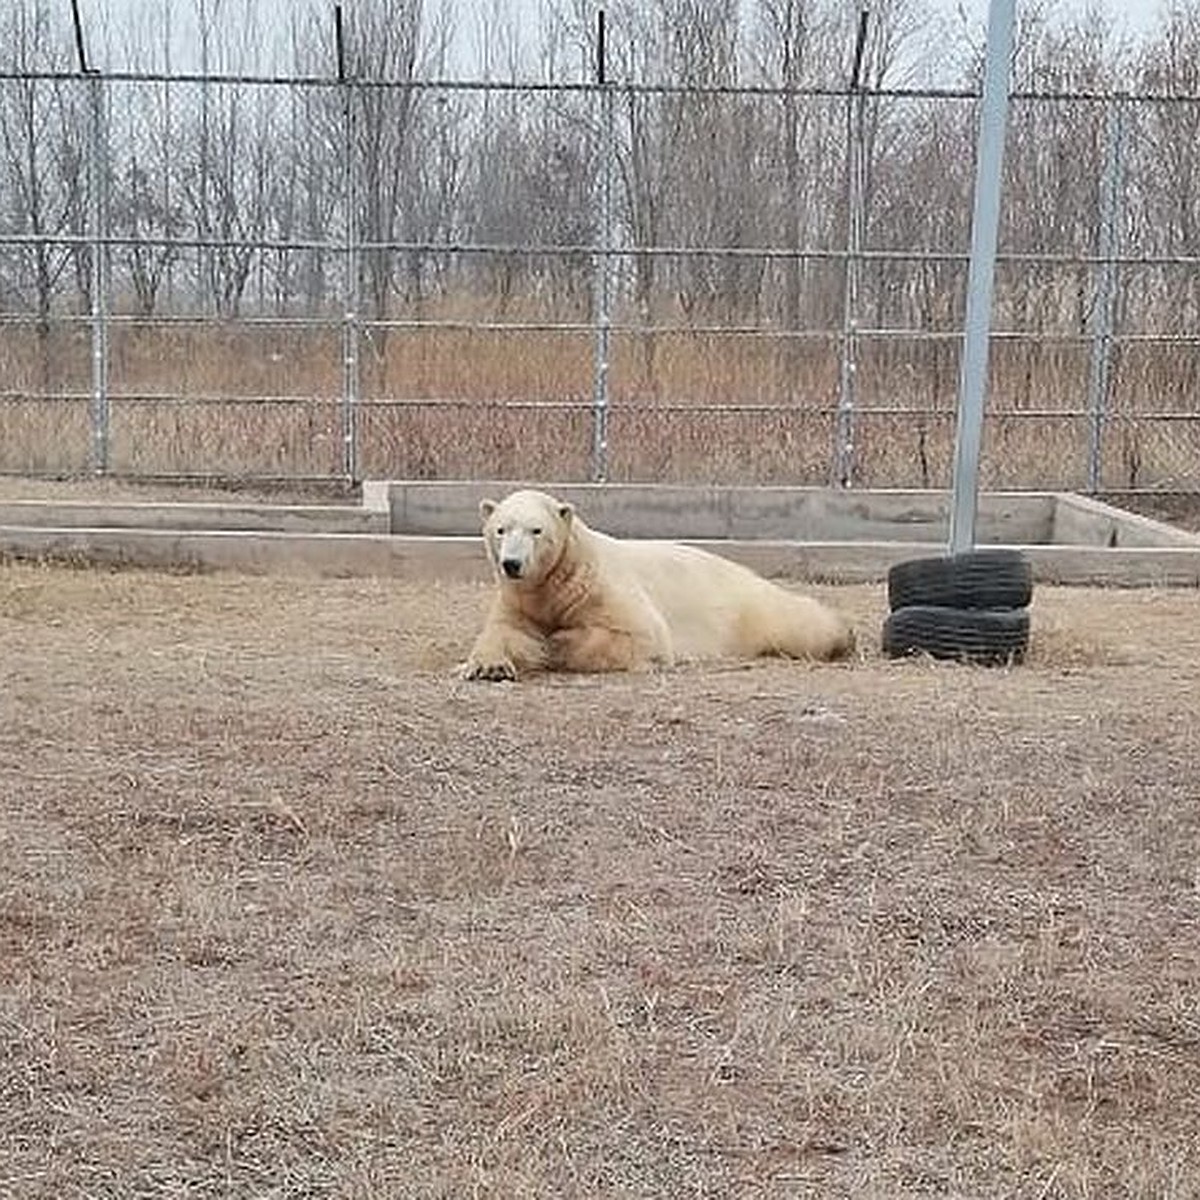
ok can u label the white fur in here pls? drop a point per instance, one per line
(571, 598)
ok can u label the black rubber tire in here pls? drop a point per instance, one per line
(977, 635)
(978, 579)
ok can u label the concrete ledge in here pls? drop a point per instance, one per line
(281, 518)
(1081, 521)
(723, 512)
(1147, 566)
(377, 496)
(251, 553)
(462, 558)
(786, 532)
(869, 562)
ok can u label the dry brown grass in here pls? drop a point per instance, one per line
(286, 912)
(691, 406)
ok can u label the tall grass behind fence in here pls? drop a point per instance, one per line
(304, 277)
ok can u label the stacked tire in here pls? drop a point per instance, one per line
(972, 607)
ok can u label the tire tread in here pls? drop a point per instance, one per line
(984, 636)
(977, 580)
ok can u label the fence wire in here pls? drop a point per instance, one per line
(282, 278)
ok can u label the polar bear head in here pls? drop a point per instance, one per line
(526, 534)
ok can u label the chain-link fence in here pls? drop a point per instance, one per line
(301, 278)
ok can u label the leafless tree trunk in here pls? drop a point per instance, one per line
(40, 151)
(390, 47)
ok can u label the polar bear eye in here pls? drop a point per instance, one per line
(537, 531)
(500, 530)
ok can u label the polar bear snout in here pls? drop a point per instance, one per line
(516, 550)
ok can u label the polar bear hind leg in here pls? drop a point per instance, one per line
(779, 622)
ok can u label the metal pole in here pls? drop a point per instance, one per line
(993, 120)
(603, 261)
(164, 150)
(99, 414)
(843, 457)
(351, 458)
(80, 43)
(1103, 312)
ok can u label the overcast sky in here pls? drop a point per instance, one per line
(1131, 16)
(962, 20)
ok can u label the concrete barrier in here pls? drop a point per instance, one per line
(462, 558)
(791, 533)
(281, 518)
(1081, 521)
(446, 508)
(329, 554)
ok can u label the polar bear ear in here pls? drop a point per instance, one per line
(566, 513)
(486, 508)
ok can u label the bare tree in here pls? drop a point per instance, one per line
(144, 211)
(1168, 217)
(42, 156)
(786, 28)
(391, 50)
(648, 154)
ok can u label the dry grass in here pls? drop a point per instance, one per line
(285, 912)
(685, 406)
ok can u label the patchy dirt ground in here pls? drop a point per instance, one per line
(286, 912)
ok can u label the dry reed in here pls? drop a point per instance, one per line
(699, 406)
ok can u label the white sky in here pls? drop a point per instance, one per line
(1130, 16)
(962, 19)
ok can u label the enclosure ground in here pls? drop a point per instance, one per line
(286, 911)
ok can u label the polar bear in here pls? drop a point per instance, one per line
(570, 598)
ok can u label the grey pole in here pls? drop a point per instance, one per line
(99, 416)
(972, 385)
(1106, 288)
(856, 177)
(603, 262)
(351, 464)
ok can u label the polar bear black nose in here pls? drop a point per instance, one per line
(511, 567)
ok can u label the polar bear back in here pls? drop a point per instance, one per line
(713, 607)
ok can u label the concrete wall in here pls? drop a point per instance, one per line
(463, 559)
(1080, 521)
(282, 518)
(790, 533)
(740, 513)
(254, 553)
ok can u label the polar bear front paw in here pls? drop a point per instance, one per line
(500, 671)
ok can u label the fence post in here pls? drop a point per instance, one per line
(856, 171)
(981, 274)
(98, 239)
(351, 456)
(603, 259)
(98, 408)
(1104, 306)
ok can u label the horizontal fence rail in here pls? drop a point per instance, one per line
(566, 87)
